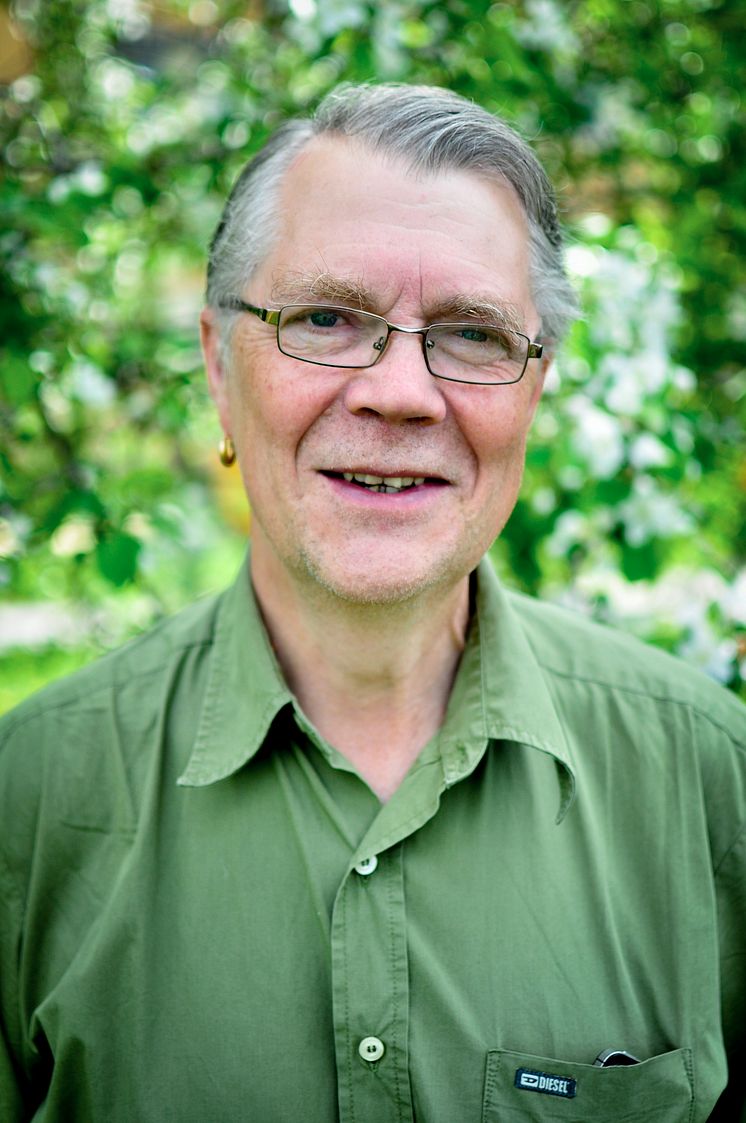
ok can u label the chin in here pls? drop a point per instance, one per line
(382, 586)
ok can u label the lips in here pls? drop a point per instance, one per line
(388, 485)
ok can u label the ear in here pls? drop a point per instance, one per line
(217, 376)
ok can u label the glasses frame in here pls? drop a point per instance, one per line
(272, 316)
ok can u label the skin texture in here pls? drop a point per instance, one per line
(366, 595)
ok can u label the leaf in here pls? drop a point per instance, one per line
(640, 563)
(18, 381)
(117, 557)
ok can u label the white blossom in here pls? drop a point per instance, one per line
(597, 437)
(651, 513)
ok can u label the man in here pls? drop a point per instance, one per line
(367, 837)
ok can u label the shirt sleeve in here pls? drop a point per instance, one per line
(730, 881)
(18, 806)
(11, 1084)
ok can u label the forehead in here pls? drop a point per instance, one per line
(415, 240)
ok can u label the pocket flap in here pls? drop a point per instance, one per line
(521, 1088)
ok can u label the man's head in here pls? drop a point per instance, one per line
(418, 207)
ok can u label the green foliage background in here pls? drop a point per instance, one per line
(121, 143)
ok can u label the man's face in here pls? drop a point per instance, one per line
(356, 222)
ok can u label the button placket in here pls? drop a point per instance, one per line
(371, 992)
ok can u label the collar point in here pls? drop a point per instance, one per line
(568, 789)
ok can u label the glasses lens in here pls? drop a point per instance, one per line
(339, 337)
(476, 353)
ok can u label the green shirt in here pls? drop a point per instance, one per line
(208, 916)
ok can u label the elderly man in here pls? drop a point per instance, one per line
(367, 837)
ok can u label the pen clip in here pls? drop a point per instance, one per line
(610, 1058)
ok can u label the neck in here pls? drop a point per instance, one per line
(373, 679)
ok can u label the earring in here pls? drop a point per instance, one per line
(226, 452)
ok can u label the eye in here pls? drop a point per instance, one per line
(323, 318)
(473, 335)
(313, 317)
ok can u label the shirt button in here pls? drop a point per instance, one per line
(371, 1049)
(364, 867)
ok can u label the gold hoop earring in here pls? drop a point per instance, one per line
(226, 452)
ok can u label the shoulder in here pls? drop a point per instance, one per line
(77, 757)
(579, 655)
(638, 716)
(135, 667)
(91, 731)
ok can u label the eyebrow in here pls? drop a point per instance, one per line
(480, 307)
(321, 286)
(301, 286)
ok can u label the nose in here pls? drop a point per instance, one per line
(399, 387)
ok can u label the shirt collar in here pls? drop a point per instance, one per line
(499, 694)
(244, 693)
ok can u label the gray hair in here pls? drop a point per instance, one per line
(431, 130)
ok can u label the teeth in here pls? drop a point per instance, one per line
(384, 483)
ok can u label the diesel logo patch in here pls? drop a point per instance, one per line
(529, 1080)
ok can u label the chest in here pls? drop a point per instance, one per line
(255, 961)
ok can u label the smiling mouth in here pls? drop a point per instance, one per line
(387, 485)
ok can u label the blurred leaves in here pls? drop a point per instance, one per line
(119, 148)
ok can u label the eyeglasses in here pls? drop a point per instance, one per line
(481, 354)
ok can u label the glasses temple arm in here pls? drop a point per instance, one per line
(235, 304)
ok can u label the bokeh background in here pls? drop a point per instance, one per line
(124, 124)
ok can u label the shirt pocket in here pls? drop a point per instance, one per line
(521, 1088)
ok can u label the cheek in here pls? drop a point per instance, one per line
(273, 407)
(497, 428)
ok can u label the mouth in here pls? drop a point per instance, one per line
(386, 485)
